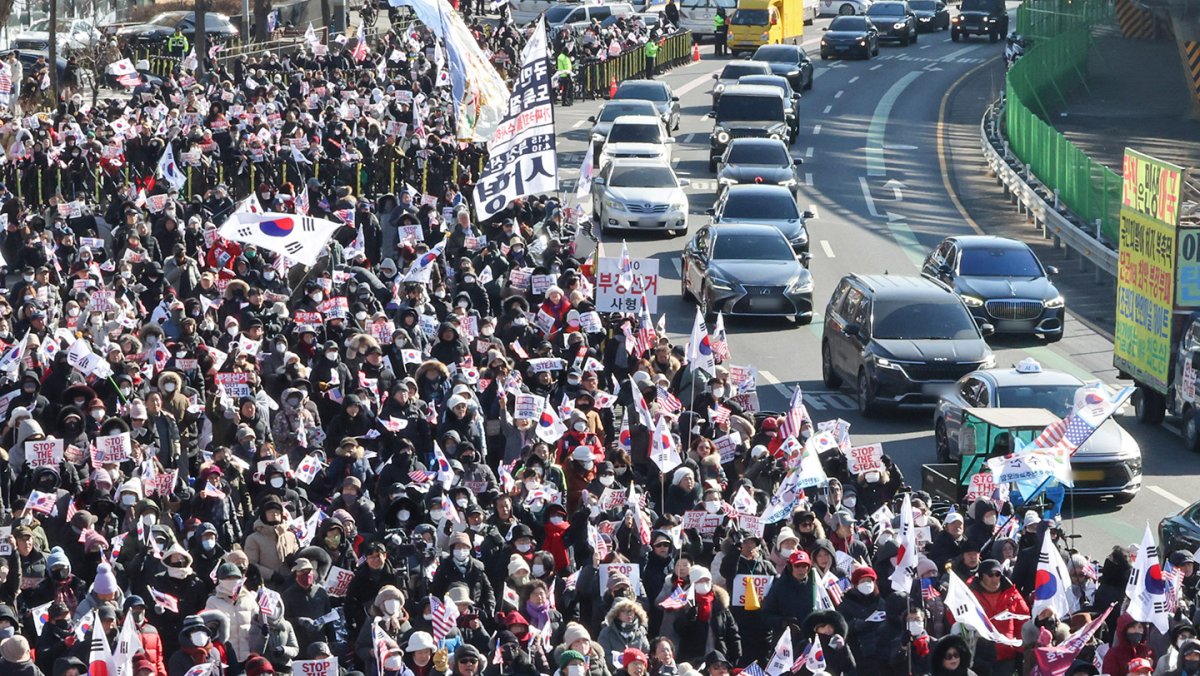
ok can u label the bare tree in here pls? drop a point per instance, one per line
(6, 7)
(201, 38)
(96, 53)
(52, 46)
(262, 10)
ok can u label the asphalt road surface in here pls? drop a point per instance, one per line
(880, 158)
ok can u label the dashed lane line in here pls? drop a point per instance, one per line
(1166, 495)
(828, 249)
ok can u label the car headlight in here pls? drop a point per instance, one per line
(802, 284)
(789, 182)
(724, 180)
(862, 41)
(885, 363)
(722, 136)
(989, 362)
(924, 18)
(597, 138)
(800, 237)
(956, 19)
(720, 284)
(824, 42)
(899, 25)
(988, 19)
(613, 204)
(719, 88)
(1134, 465)
(972, 301)
(1055, 302)
(679, 206)
(776, 136)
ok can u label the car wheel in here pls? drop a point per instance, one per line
(941, 442)
(1149, 406)
(712, 166)
(824, 56)
(809, 85)
(875, 50)
(993, 36)
(1191, 430)
(846, 9)
(828, 375)
(866, 395)
(955, 36)
(803, 320)
(904, 41)
(916, 35)
(710, 315)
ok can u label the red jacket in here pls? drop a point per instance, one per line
(153, 645)
(994, 603)
(1122, 652)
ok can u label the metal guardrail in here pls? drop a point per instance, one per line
(1042, 207)
(596, 77)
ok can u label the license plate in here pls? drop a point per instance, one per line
(1088, 474)
(841, 48)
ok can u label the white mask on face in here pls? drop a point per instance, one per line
(149, 519)
(990, 520)
(587, 465)
(404, 515)
(227, 587)
(703, 586)
(786, 552)
(916, 628)
(718, 392)
(391, 606)
(277, 482)
(232, 329)
(872, 477)
(538, 570)
(607, 480)
(866, 587)
(461, 502)
(97, 414)
(556, 520)
(712, 506)
(436, 515)
(524, 547)
(461, 555)
(198, 638)
(168, 387)
(580, 426)
(849, 501)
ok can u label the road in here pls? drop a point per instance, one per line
(874, 136)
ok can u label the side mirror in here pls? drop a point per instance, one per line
(1051, 270)
(712, 114)
(685, 182)
(797, 161)
(710, 212)
(944, 270)
(808, 214)
(668, 141)
(851, 330)
(675, 98)
(591, 118)
(805, 258)
(716, 76)
(599, 180)
(795, 96)
(825, 28)
(987, 330)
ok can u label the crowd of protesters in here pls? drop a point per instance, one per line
(341, 462)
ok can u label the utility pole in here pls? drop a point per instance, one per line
(201, 39)
(52, 46)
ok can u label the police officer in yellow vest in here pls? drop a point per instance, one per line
(652, 48)
(564, 78)
(720, 32)
(177, 44)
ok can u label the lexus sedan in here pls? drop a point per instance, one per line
(758, 160)
(932, 15)
(1001, 282)
(894, 21)
(850, 36)
(744, 269)
(610, 111)
(772, 205)
(638, 194)
(790, 61)
(1108, 463)
(657, 92)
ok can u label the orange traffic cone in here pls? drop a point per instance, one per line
(612, 88)
(695, 51)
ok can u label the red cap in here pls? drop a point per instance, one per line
(864, 572)
(770, 424)
(800, 558)
(1140, 664)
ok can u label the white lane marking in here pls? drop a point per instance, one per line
(876, 66)
(687, 138)
(839, 94)
(956, 54)
(1165, 494)
(808, 179)
(853, 80)
(876, 163)
(816, 130)
(813, 208)
(808, 153)
(701, 80)
(776, 383)
(866, 191)
(828, 249)
(675, 162)
(678, 265)
(926, 46)
(578, 124)
(827, 109)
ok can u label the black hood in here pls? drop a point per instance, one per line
(748, 173)
(948, 351)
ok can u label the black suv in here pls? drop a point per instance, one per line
(746, 111)
(899, 339)
(980, 17)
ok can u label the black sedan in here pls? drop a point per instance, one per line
(1001, 282)
(850, 36)
(758, 160)
(217, 26)
(894, 21)
(932, 15)
(791, 99)
(1181, 530)
(790, 61)
(742, 269)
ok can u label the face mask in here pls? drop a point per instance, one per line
(718, 392)
(712, 506)
(227, 587)
(125, 391)
(294, 401)
(580, 426)
(989, 520)
(439, 294)
(1134, 636)
(404, 515)
(573, 382)
(208, 544)
(231, 330)
(587, 465)
(315, 296)
(872, 477)
(461, 502)
(556, 520)
(849, 502)
(532, 485)
(198, 638)
(574, 670)
(360, 316)
(916, 628)
(487, 331)
(435, 514)
(149, 519)
(277, 482)
(461, 555)
(97, 414)
(331, 356)
(269, 275)
(128, 500)
(865, 587)
(73, 312)
(521, 322)
(1191, 666)
(391, 607)
(607, 480)
(333, 540)
(27, 278)
(168, 387)
(524, 547)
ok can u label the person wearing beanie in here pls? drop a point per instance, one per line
(105, 590)
(176, 579)
(152, 644)
(634, 662)
(461, 567)
(73, 666)
(577, 639)
(60, 583)
(54, 642)
(196, 647)
(571, 663)
(468, 661)
(258, 665)
(876, 622)
(271, 543)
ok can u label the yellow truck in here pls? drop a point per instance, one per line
(767, 22)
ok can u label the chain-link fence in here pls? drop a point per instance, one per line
(1039, 82)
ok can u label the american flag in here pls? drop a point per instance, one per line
(929, 590)
(833, 587)
(5, 79)
(165, 600)
(719, 415)
(677, 599)
(360, 47)
(753, 670)
(420, 476)
(445, 616)
(570, 581)
(646, 335)
(794, 419)
(720, 342)
(1174, 579)
(1070, 432)
(812, 658)
(1090, 572)
(669, 402)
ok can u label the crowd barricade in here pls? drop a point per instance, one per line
(596, 78)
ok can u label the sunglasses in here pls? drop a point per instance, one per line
(992, 574)
(951, 656)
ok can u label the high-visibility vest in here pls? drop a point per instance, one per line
(651, 50)
(718, 22)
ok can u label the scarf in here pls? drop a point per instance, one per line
(704, 603)
(538, 616)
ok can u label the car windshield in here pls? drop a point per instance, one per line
(776, 205)
(1058, 399)
(848, 23)
(644, 91)
(735, 70)
(614, 110)
(558, 14)
(768, 81)
(886, 9)
(759, 154)
(634, 133)
(1006, 262)
(923, 5)
(734, 108)
(166, 20)
(764, 247)
(904, 319)
(776, 53)
(642, 177)
(977, 6)
(750, 17)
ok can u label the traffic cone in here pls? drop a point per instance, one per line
(695, 51)
(612, 88)
(752, 601)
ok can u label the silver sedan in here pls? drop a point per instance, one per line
(639, 194)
